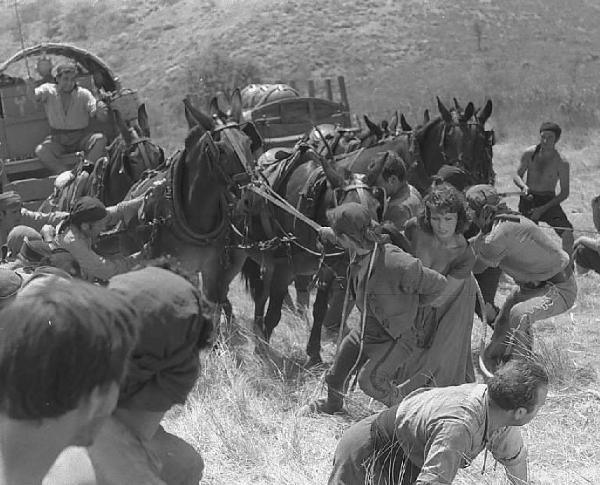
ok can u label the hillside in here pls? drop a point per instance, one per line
(534, 58)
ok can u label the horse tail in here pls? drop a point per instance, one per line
(252, 278)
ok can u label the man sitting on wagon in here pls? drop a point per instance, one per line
(69, 108)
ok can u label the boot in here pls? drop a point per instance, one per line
(333, 403)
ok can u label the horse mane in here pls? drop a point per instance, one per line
(422, 131)
(192, 138)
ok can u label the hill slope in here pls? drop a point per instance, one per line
(535, 58)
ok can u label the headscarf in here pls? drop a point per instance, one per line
(164, 364)
(454, 175)
(86, 209)
(551, 126)
(17, 235)
(10, 199)
(351, 219)
(355, 221)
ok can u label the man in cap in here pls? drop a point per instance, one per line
(545, 281)
(132, 448)
(69, 108)
(545, 167)
(389, 285)
(17, 236)
(63, 352)
(435, 431)
(12, 213)
(80, 230)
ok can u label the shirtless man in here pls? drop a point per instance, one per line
(545, 166)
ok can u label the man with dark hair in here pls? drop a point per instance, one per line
(403, 201)
(529, 255)
(80, 230)
(545, 168)
(436, 431)
(132, 448)
(69, 108)
(63, 351)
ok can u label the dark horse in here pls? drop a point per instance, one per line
(128, 157)
(312, 187)
(187, 211)
(455, 137)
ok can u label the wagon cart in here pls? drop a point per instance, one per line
(23, 123)
(283, 115)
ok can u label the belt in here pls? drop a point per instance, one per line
(561, 276)
(57, 131)
(558, 278)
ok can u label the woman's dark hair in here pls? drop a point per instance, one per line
(515, 384)
(445, 198)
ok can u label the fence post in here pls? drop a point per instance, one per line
(329, 89)
(311, 88)
(343, 93)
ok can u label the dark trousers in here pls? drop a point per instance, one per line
(364, 452)
(379, 361)
(587, 258)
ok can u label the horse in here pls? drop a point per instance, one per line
(455, 137)
(188, 204)
(128, 157)
(312, 186)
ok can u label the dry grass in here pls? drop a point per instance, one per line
(537, 61)
(242, 415)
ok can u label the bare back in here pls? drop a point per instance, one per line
(544, 170)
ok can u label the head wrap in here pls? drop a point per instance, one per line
(351, 219)
(551, 126)
(17, 235)
(33, 252)
(87, 209)
(164, 364)
(66, 67)
(454, 175)
(481, 195)
(10, 284)
(10, 199)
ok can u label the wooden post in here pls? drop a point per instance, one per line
(311, 88)
(293, 84)
(328, 89)
(343, 93)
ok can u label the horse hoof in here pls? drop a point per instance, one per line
(313, 361)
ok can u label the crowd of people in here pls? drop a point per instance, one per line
(94, 352)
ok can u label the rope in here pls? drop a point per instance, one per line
(284, 205)
(484, 322)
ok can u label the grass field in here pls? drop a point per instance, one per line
(536, 59)
(243, 417)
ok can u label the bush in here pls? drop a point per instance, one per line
(214, 70)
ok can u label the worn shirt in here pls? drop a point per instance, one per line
(81, 106)
(444, 429)
(93, 266)
(521, 249)
(399, 283)
(117, 457)
(404, 206)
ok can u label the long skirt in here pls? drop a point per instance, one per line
(447, 359)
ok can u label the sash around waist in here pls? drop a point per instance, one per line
(59, 131)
